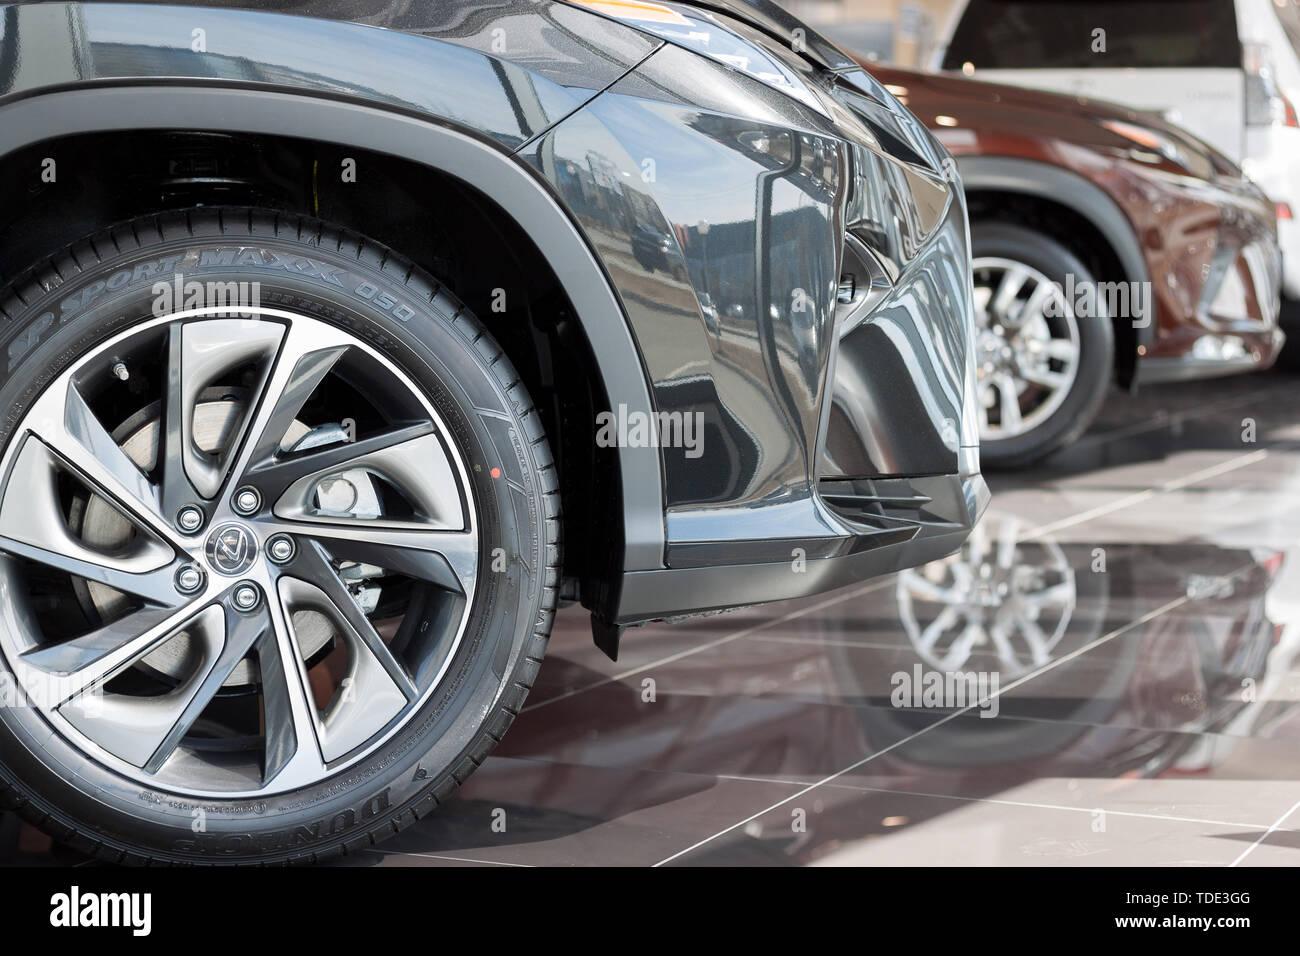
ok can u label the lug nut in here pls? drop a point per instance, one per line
(189, 579)
(189, 518)
(281, 548)
(247, 501)
(246, 596)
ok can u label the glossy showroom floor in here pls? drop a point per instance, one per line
(1147, 713)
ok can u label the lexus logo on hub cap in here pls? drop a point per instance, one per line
(231, 549)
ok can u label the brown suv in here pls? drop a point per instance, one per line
(1105, 241)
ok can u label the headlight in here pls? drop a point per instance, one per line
(702, 33)
(1161, 150)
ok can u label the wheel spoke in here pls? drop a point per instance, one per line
(138, 729)
(291, 725)
(86, 662)
(1009, 402)
(307, 354)
(1063, 350)
(1045, 378)
(155, 586)
(1013, 280)
(938, 627)
(176, 426)
(1008, 542)
(200, 354)
(1061, 594)
(376, 687)
(1035, 640)
(1035, 305)
(921, 587)
(32, 525)
(294, 477)
(448, 559)
(1007, 656)
(63, 422)
(313, 564)
(960, 650)
(174, 429)
(242, 632)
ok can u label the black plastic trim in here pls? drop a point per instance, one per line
(903, 538)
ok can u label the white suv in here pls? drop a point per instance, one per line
(1227, 70)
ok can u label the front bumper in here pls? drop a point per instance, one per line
(903, 378)
(897, 479)
(1244, 353)
(1218, 283)
(892, 524)
(745, 328)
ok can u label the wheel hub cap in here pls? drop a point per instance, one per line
(231, 549)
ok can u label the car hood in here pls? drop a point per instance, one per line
(416, 16)
(1017, 111)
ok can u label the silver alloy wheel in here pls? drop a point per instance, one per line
(137, 689)
(1026, 346)
(1002, 596)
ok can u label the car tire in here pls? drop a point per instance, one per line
(1000, 243)
(407, 326)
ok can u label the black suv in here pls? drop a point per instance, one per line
(344, 341)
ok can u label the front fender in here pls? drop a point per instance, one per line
(1044, 181)
(491, 171)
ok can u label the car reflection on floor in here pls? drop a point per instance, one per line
(1133, 609)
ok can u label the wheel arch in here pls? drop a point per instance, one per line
(1102, 235)
(484, 167)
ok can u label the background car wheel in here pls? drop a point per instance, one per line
(275, 582)
(1043, 370)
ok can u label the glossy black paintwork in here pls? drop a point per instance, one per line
(717, 205)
